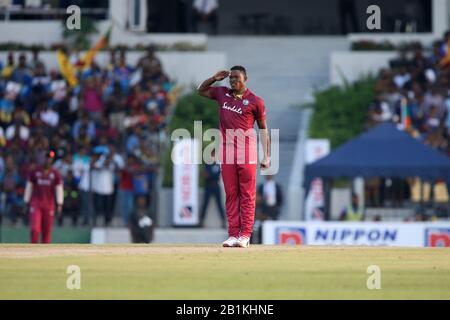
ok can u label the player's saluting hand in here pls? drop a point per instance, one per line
(219, 76)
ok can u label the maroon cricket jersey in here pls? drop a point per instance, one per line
(235, 113)
(44, 187)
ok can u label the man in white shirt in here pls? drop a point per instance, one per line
(103, 170)
(269, 199)
(82, 174)
(49, 116)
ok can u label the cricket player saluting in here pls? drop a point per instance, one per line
(239, 108)
(42, 186)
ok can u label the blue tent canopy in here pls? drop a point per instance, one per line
(383, 151)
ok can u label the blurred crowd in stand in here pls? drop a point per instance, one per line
(414, 92)
(106, 133)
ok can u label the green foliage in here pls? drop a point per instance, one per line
(80, 39)
(190, 108)
(340, 112)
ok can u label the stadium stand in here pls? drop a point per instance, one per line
(106, 130)
(413, 92)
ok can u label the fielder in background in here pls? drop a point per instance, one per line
(43, 187)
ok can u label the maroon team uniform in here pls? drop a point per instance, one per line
(42, 203)
(239, 174)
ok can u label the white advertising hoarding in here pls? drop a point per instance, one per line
(185, 180)
(315, 201)
(357, 233)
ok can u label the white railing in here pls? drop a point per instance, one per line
(47, 13)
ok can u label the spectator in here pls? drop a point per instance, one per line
(269, 200)
(119, 163)
(140, 181)
(71, 205)
(2, 137)
(103, 169)
(58, 145)
(88, 125)
(92, 99)
(65, 165)
(434, 98)
(9, 66)
(433, 122)
(447, 118)
(149, 60)
(133, 139)
(436, 55)
(141, 225)
(36, 62)
(354, 211)
(104, 131)
(18, 130)
(116, 107)
(49, 116)
(40, 85)
(379, 112)
(58, 89)
(22, 73)
(402, 78)
(11, 204)
(126, 196)
(82, 177)
(123, 72)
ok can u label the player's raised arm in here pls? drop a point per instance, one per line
(203, 89)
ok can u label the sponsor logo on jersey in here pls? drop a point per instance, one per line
(231, 108)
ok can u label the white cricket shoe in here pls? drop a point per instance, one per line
(243, 242)
(231, 242)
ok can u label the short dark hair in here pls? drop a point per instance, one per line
(241, 69)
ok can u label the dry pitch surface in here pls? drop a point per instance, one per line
(211, 272)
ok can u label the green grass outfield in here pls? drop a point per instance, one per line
(211, 272)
